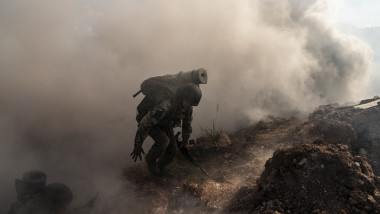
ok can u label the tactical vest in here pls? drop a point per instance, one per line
(30, 205)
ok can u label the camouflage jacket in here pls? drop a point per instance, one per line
(167, 112)
(30, 205)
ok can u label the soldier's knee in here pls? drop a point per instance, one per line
(169, 155)
(161, 144)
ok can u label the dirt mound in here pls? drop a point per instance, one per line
(312, 178)
(359, 128)
(335, 131)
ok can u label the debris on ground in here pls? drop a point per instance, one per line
(312, 178)
(326, 163)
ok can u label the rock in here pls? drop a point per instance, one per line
(366, 123)
(302, 162)
(377, 179)
(353, 201)
(376, 195)
(192, 188)
(227, 155)
(249, 138)
(335, 131)
(270, 204)
(371, 199)
(224, 140)
(362, 152)
(357, 164)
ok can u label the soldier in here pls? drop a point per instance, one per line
(56, 199)
(159, 113)
(33, 197)
(29, 191)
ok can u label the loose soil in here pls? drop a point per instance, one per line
(278, 165)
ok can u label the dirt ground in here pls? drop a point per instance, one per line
(275, 166)
(312, 178)
(230, 167)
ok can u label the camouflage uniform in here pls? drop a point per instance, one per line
(29, 205)
(158, 123)
(34, 197)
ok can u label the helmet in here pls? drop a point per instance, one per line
(191, 93)
(57, 195)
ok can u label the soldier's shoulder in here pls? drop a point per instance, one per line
(30, 205)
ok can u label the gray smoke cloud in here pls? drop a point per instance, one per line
(68, 70)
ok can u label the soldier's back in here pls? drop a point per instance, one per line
(30, 205)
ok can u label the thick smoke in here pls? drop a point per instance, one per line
(68, 70)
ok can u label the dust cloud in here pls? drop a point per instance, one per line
(68, 70)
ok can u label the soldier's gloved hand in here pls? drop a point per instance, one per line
(137, 152)
(186, 144)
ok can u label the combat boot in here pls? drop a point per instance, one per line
(163, 172)
(152, 165)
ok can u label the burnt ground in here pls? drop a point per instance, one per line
(326, 163)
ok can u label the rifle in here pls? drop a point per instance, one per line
(185, 152)
(137, 93)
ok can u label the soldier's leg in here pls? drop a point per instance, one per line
(161, 141)
(170, 151)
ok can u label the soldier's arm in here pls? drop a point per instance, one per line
(186, 125)
(151, 119)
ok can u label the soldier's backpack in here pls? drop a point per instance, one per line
(155, 87)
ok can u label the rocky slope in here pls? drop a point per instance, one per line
(325, 163)
(312, 178)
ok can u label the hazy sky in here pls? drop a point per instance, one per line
(360, 13)
(363, 19)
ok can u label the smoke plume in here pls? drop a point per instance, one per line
(68, 70)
